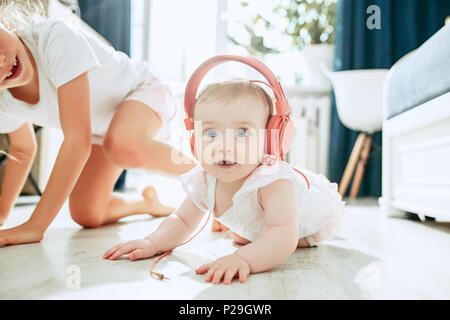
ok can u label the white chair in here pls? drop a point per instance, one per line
(359, 95)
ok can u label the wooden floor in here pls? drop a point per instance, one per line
(372, 257)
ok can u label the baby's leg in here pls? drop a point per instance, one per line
(238, 239)
(217, 226)
(93, 202)
(303, 243)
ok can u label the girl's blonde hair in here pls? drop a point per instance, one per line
(224, 92)
(18, 14)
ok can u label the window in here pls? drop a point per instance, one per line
(176, 36)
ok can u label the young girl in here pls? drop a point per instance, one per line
(269, 208)
(113, 111)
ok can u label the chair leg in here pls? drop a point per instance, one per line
(34, 183)
(351, 164)
(361, 167)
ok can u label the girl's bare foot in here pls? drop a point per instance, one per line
(156, 208)
(217, 226)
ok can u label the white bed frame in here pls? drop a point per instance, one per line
(416, 161)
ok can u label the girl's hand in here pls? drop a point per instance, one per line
(136, 249)
(227, 268)
(24, 233)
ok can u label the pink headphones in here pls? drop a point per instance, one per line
(280, 128)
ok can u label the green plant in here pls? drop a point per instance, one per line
(256, 45)
(306, 22)
(309, 21)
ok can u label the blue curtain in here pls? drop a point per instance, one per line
(405, 25)
(112, 19)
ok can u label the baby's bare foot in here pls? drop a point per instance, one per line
(156, 208)
(217, 226)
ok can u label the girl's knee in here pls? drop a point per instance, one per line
(88, 221)
(86, 217)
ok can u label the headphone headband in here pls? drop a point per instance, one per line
(281, 103)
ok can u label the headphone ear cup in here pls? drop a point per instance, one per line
(192, 143)
(272, 139)
(287, 136)
(280, 134)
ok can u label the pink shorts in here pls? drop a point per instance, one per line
(158, 97)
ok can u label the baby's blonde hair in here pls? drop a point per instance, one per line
(18, 14)
(224, 92)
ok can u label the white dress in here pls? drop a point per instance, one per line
(319, 204)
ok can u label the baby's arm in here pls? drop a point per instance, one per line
(170, 233)
(280, 239)
(274, 246)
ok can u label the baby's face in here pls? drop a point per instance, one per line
(15, 66)
(229, 139)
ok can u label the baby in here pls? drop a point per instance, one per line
(269, 207)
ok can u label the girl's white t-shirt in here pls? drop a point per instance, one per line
(63, 52)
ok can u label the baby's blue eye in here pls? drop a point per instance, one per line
(241, 133)
(210, 133)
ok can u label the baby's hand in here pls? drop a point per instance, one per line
(136, 249)
(227, 268)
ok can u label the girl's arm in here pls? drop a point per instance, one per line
(272, 247)
(170, 233)
(74, 109)
(21, 153)
(73, 99)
